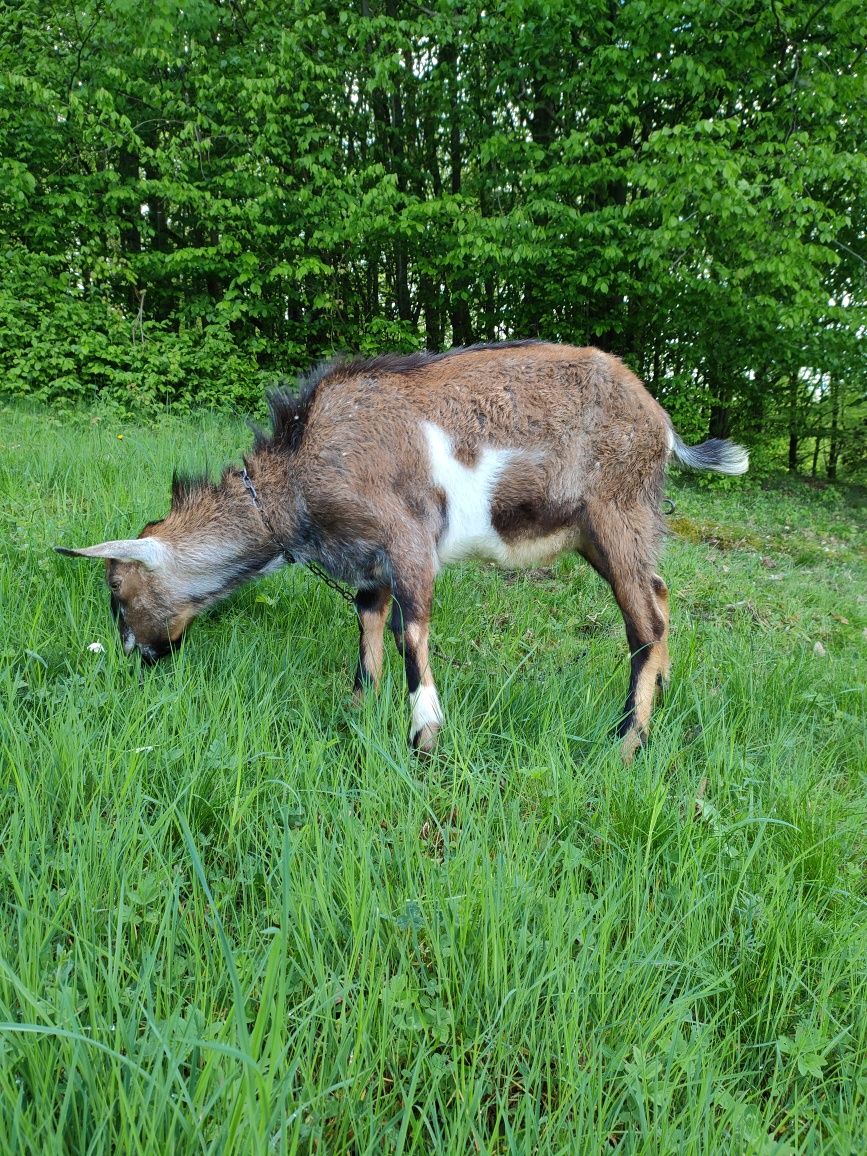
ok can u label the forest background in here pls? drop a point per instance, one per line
(198, 197)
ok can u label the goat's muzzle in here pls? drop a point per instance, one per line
(152, 653)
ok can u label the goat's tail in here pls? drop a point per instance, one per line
(717, 454)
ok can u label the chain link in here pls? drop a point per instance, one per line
(316, 569)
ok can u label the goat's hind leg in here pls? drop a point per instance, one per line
(660, 591)
(647, 633)
(623, 550)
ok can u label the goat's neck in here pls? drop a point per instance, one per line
(278, 506)
(223, 541)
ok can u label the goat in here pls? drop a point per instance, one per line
(381, 471)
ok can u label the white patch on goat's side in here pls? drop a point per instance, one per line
(669, 437)
(426, 709)
(468, 532)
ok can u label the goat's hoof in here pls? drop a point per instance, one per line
(425, 739)
(363, 689)
(633, 741)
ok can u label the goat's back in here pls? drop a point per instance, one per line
(583, 416)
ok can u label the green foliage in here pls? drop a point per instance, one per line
(62, 346)
(238, 916)
(684, 185)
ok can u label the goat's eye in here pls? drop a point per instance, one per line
(114, 585)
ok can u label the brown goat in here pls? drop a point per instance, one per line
(381, 471)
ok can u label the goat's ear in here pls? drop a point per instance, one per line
(152, 553)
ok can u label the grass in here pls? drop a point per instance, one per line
(239, 917)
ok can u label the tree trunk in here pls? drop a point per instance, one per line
(755, 408)
(609, 322)
(130, 237)
(430, 305)
(459, 309)
(793, 423)
(720, 423)
(462, 326)
(401, 277)
(213, 280)
(834, 440)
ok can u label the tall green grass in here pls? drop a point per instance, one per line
(238, 916)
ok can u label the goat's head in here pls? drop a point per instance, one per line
(151, 607)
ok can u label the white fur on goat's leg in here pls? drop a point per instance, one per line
(427, 715)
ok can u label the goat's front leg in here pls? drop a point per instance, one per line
(410, 621)
(372, 609)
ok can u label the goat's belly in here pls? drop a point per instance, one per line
(516, 554)
(536, 551)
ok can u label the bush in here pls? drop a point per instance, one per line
(62, 344)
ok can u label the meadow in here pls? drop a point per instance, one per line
(237, 915)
